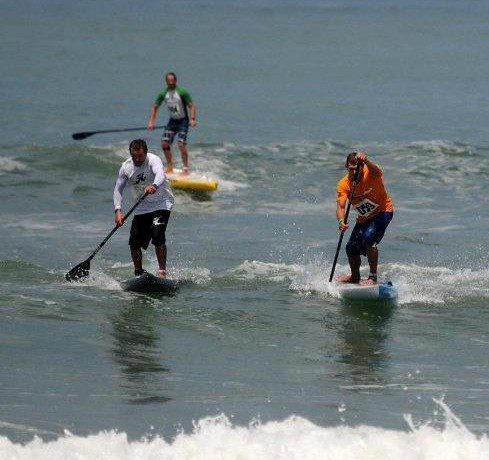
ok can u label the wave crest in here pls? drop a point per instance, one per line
(292, 438)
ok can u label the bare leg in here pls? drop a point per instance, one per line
(137, 260)
(161, 256)
(184, 153)
(373, 260)
(165, 145)
(355, 261)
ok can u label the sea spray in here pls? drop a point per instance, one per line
(289, 439)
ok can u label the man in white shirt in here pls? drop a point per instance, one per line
(144, 171)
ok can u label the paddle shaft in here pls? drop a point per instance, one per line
(342, 234)
(85, 134)
(99, 247)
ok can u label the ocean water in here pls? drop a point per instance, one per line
(252, 358)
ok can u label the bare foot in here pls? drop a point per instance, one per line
(161, 274)
(347, 279)
(184, 170)
(368, 282)
(169, 169)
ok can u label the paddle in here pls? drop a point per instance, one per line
(82, 270)
(355, 181)
(85, 134)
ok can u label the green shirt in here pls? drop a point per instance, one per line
(176, 100)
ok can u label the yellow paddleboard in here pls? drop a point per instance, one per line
(191, 181)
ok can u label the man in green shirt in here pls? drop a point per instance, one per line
(182, 113)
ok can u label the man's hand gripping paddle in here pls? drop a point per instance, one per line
(355, 181)
(82, 270)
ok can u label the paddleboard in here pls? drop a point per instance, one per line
(192, 181)
(149, 283)
(380, 291)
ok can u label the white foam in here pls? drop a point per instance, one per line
(229, 185)
(254, 269)
(8, 165)
(313, 277)
(417, 283)
(98, 279)
(293, 438)
(441, 146)
(436, 285)
(121, 264)
(183, 270)
(197, 275)
(120, 149)
(459, 163)
(209, 164)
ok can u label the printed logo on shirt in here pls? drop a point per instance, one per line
(141, 177)
(366, 207)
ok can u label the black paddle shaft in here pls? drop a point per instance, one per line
(82, 269)
(355, 181)
(85, 134)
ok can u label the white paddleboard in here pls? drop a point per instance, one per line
(380, 291)
(149, 283)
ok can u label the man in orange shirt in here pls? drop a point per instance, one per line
(374, 208)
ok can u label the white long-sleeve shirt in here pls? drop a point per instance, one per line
(151, 172)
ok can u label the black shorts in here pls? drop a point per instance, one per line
(149, 227)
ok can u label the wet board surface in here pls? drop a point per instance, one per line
(149, 283)
(381, 291)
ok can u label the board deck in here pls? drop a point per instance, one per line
(191, 181)
(380, 291)
(149, 283)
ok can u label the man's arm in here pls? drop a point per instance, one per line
(193, 112)
(160, 179)
(119, 187)
(152, 116)
(340, 213)
(374, 168)
(154, 109)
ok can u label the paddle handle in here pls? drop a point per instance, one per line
(338, 247)
(342, 234)
(99, 247)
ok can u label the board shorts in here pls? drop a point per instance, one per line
(147, 227)
(368, 233)
(176, 127)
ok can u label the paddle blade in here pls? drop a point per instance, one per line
(80, 136)
(79, 272)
